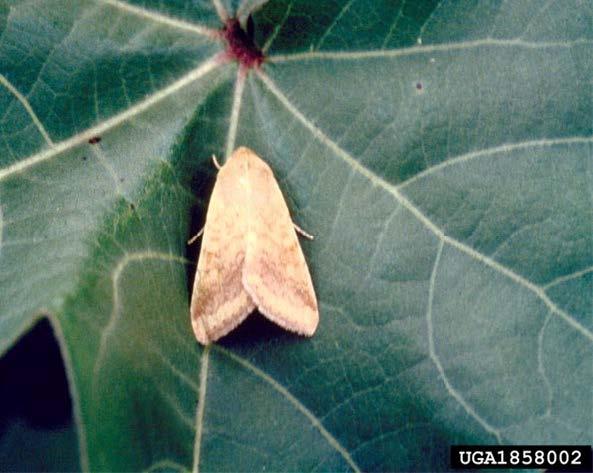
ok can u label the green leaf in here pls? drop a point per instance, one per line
(441, 154)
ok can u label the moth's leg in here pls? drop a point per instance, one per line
(195, 237)
(216, 163)
(302, 232)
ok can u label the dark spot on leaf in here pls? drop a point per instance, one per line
(84, 158)
(94, 140)
(122, 179)
(419, 85)
(240, 45)
(132, 207)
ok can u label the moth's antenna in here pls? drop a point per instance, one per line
(303, 232)
(216, 163)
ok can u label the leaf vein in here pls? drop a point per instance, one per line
(295, 402)
(161, 18)
(396, 431)
(176, 371)
(187, 421)
(201, 407)
(504, 148)
(395, 192)
(568, 277)
(249, 7)
(424, 49)
(116, 307)
(429, 18)
(328, 30)
(536, 16)
(80, 138)
(102, 159)
(541, 368)
(394, 24)
(165, 465)
(435, 359)
(277, 30)
(27, 106)
(235, 111)
(220, 10)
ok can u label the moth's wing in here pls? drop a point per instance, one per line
(219, 301)
(275, 273)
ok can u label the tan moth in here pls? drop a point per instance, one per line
(250, 256)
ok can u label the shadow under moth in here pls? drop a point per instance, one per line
(250, 256)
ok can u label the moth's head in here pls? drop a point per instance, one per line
(246, 159)
(242, 153)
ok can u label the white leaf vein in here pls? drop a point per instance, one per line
(338, 17)
(541, 366)
(395, 192)
(295, 402)
(102, 159)
(220, 10)
(235, 111)
(174, 404)
(394, 24)
(163, 19)
(82, 137)
(455, 394)
(167, 465)
(424, 49)
(27, 106)
(501, 149)
(568, 277)
(429, 18)
(201, 407)
(277, 30)
(248, 7)
(114, 317)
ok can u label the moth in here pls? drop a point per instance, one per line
(250, 256)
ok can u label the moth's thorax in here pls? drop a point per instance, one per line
(244, 161)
